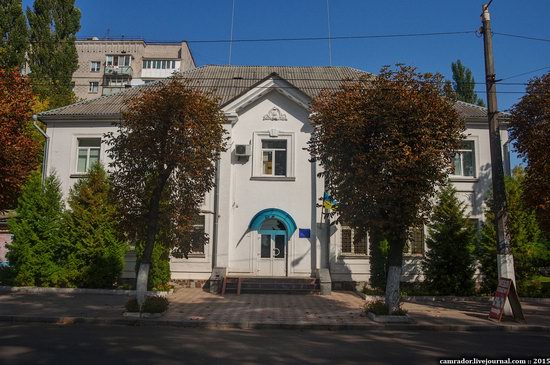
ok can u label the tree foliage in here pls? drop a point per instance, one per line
(14, 34)
(164, 157)
(91, 226)
(530, 129)
(529, 247)
(39, 253)
(449, 261)
(464, 84)
(53, 58)
(19, 151)
(386, 143)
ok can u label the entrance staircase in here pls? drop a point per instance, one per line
(269, 285)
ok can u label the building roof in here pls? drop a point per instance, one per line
(229, 82)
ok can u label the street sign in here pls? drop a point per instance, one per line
(506, 290)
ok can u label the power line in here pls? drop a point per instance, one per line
(522, 74)
(522, 37)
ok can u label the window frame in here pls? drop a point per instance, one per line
(408, 249)
(460, 152)
(257, 155)
(92, 69)
(91, 87)
(273, 151)
(77, 153)
(353, 246)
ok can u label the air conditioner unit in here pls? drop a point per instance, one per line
(243, 150)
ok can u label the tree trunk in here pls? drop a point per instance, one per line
(152, 228)
(395, 267)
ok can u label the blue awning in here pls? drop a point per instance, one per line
(279, 214)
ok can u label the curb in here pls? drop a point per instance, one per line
(272, 325)
(451, 299)
(39, 290)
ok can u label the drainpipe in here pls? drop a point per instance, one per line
(216, 214)
(46, 148)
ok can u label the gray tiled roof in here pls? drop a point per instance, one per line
(227, 83)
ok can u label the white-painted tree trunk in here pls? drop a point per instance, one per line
(141, 283)
(392, 288)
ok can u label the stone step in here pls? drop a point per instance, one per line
(273, 285)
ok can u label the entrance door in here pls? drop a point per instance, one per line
(272, 253)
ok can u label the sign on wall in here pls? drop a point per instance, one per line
(304, 233)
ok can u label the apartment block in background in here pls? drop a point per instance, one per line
(106, 67)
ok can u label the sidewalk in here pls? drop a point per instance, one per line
(196, 308)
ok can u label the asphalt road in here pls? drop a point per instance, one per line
(90, 344)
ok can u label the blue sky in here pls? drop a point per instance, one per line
(172, 20)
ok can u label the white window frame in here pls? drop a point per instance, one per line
(93, 87)
(408, 246)
(460, 152)
(257, 155)
(95, 63)
(75, 150)
(273, 151)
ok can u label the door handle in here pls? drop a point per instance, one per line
(276, 252)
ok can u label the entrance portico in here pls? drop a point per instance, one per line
(274, 228)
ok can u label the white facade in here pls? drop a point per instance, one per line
(254, 192)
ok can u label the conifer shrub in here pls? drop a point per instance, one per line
(449, 261)
(530, 248)
(92, 231)
(39, 254)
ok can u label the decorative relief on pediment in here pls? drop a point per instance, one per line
(275, 114)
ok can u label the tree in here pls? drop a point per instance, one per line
(464, 84)
(39, 253)
(449, 261)
(53, 59)
(164, 154)
(19, 151)
(91, 224)
(14, 40)
(530, 130)
(530, 248)
(385, 144)
(378, 259)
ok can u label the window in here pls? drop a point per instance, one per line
(94, 87)
(198, 227)
(415, 243)
(464, 164)
(117, 81)
(87, 154)
(274, 156)
(95, 66)
(349, 244)
(118, 60)
(159, 64)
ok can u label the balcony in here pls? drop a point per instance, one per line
(118, 70)
(110, 90)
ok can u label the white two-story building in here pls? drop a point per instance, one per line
(263, 218)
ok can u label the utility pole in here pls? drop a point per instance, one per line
(505, 260)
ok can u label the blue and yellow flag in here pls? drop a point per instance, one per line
(328, 202)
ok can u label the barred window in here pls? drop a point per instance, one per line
(349, 245)
(198, 226)
(415, 243)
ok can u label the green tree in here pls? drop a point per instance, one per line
(14, 34)
(464, 84)
(164, 155)
(91, 224)
(385, 144)
(529, 247)
(530, 130)
(39, 253)
(53, 59)
(449, 261)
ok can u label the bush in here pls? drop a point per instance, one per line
(92, 231)
(39, 253)
(378, 307)
(449, 261)
(152, 304)
(534, 288)
(159, 272)
(378, 260)
(530, 248)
